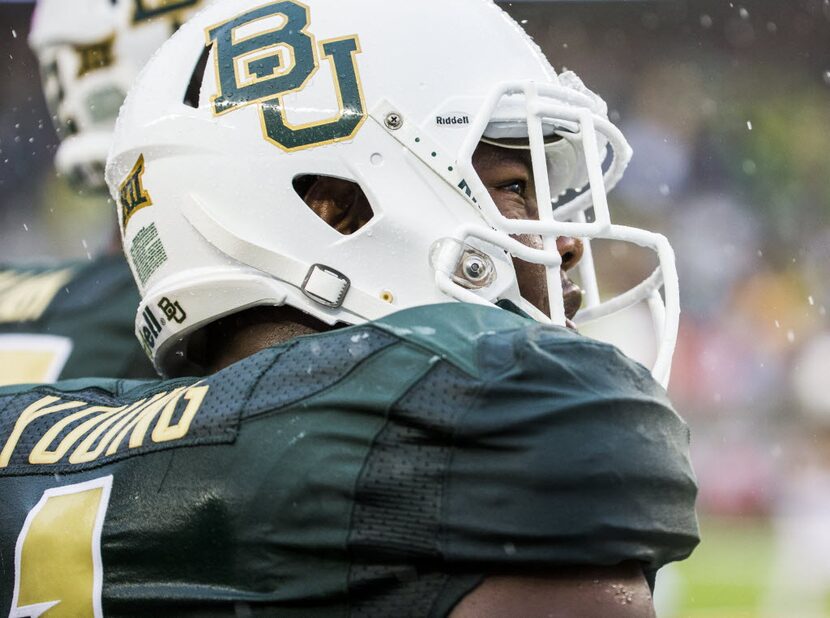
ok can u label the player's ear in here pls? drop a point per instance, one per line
(340, 203)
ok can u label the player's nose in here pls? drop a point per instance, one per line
(570, 249)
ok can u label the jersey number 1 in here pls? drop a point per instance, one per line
(58, 568)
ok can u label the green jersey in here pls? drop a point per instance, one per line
(377, 470)
(69, 321)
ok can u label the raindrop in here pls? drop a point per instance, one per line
(772, 27)
(31, 140)
(750, 167)
(524, 21)
(706, 21)
(812, 301)
(743, 13)
(826, 77)
(790, 336)
(14, 33)
(777, 324)
(749, 125)
(665, 190)
(25, 227)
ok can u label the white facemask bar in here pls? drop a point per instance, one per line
(665, 313)
(448, 258)
(559, 104)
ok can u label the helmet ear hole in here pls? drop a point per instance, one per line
(341, 204)
(303, 183)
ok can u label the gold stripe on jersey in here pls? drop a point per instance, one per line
(25, 296)
(101, 431)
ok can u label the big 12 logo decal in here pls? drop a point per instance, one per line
(257, 63)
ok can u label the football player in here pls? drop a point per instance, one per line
(75, 319)
(354, 223)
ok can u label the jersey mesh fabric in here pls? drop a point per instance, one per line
(398, 499)
(413, 458)
(312, 364)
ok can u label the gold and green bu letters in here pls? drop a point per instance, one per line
(132, 195)
(150, 9)
(267, 53)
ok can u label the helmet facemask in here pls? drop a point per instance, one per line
(570, 142)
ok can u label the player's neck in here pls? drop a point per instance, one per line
(239, 336)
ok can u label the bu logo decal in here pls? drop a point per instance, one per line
(132, 194)
(266, 54)
(172, 310)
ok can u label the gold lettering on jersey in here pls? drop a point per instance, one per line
(25, 296)
(132, 194)
(93, 431)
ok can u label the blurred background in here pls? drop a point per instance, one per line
(727, 106)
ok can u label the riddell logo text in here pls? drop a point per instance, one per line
(452, 120)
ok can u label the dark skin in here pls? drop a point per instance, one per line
(620, 591)
(508, 177)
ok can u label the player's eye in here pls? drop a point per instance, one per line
(518, 187)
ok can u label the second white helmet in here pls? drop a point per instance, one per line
(89, 52)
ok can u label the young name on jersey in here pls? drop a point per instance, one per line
(62, 430)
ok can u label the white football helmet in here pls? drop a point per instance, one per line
(252, 96)
(90, 51)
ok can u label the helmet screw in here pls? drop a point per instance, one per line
(394, 121)
(474, 268)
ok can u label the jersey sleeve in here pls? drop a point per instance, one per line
(572, 454)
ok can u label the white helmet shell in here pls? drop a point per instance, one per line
(249, 96)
